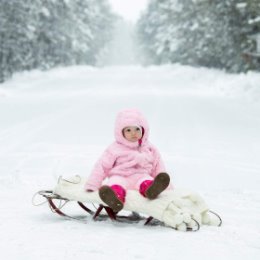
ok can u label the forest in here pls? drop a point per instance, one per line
(42, 34)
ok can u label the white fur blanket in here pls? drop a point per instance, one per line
(175, 208)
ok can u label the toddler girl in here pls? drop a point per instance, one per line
(131, 162)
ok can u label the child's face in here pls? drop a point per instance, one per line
(132, 133)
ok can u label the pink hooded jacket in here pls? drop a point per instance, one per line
(125, 158)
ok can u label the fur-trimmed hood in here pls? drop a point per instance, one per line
(130, 117)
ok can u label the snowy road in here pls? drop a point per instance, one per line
(205, 123)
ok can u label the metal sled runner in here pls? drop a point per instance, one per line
(180, 210)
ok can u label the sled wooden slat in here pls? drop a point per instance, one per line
(91, 212)
(148, 220)
(98, 211)
(55, 209)
(110, 213)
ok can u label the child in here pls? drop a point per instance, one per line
(131, 162)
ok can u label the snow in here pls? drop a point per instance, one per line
(255, 20)
(241, 5)
(205, 123)
(129, 9)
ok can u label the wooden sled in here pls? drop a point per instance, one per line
(180, 210)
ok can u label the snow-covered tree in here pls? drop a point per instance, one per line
(73, 31)
(198, 32)
(157, 30)
(48, 33)
(17, 22)
(221, 38)
(250, 12)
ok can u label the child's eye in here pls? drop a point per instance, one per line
(128, 130)
(138, 129)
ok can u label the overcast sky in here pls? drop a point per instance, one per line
(129, 9)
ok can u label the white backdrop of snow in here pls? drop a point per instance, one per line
(206, 123)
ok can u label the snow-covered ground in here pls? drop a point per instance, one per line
(206, 124)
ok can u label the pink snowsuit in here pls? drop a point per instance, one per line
(127, 163)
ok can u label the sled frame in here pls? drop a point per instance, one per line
(97, 216)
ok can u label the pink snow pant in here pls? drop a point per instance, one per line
(131, 182)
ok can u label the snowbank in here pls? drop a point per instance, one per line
(205, 123)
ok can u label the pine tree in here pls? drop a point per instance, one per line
(156, 31)
(250, 13)
(48, 33)
(212, 33)
(16, 34)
